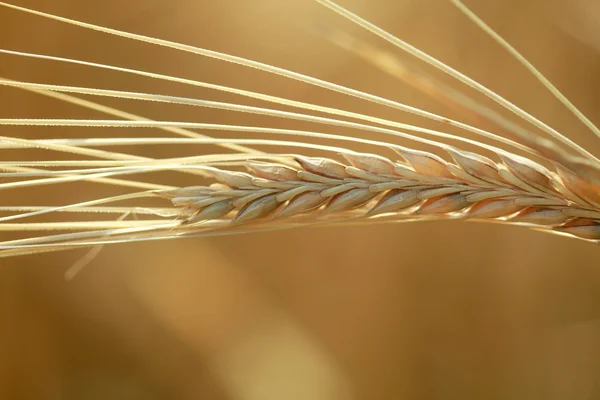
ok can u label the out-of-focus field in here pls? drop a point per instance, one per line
(440, 310)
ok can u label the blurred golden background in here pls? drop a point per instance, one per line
(441, 310)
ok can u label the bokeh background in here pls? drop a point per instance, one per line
(439, 310)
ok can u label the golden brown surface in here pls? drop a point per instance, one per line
(439, 310)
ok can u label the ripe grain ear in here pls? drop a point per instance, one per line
(285, 188)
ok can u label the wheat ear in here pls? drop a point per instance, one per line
(554, 189)
(367, 186)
